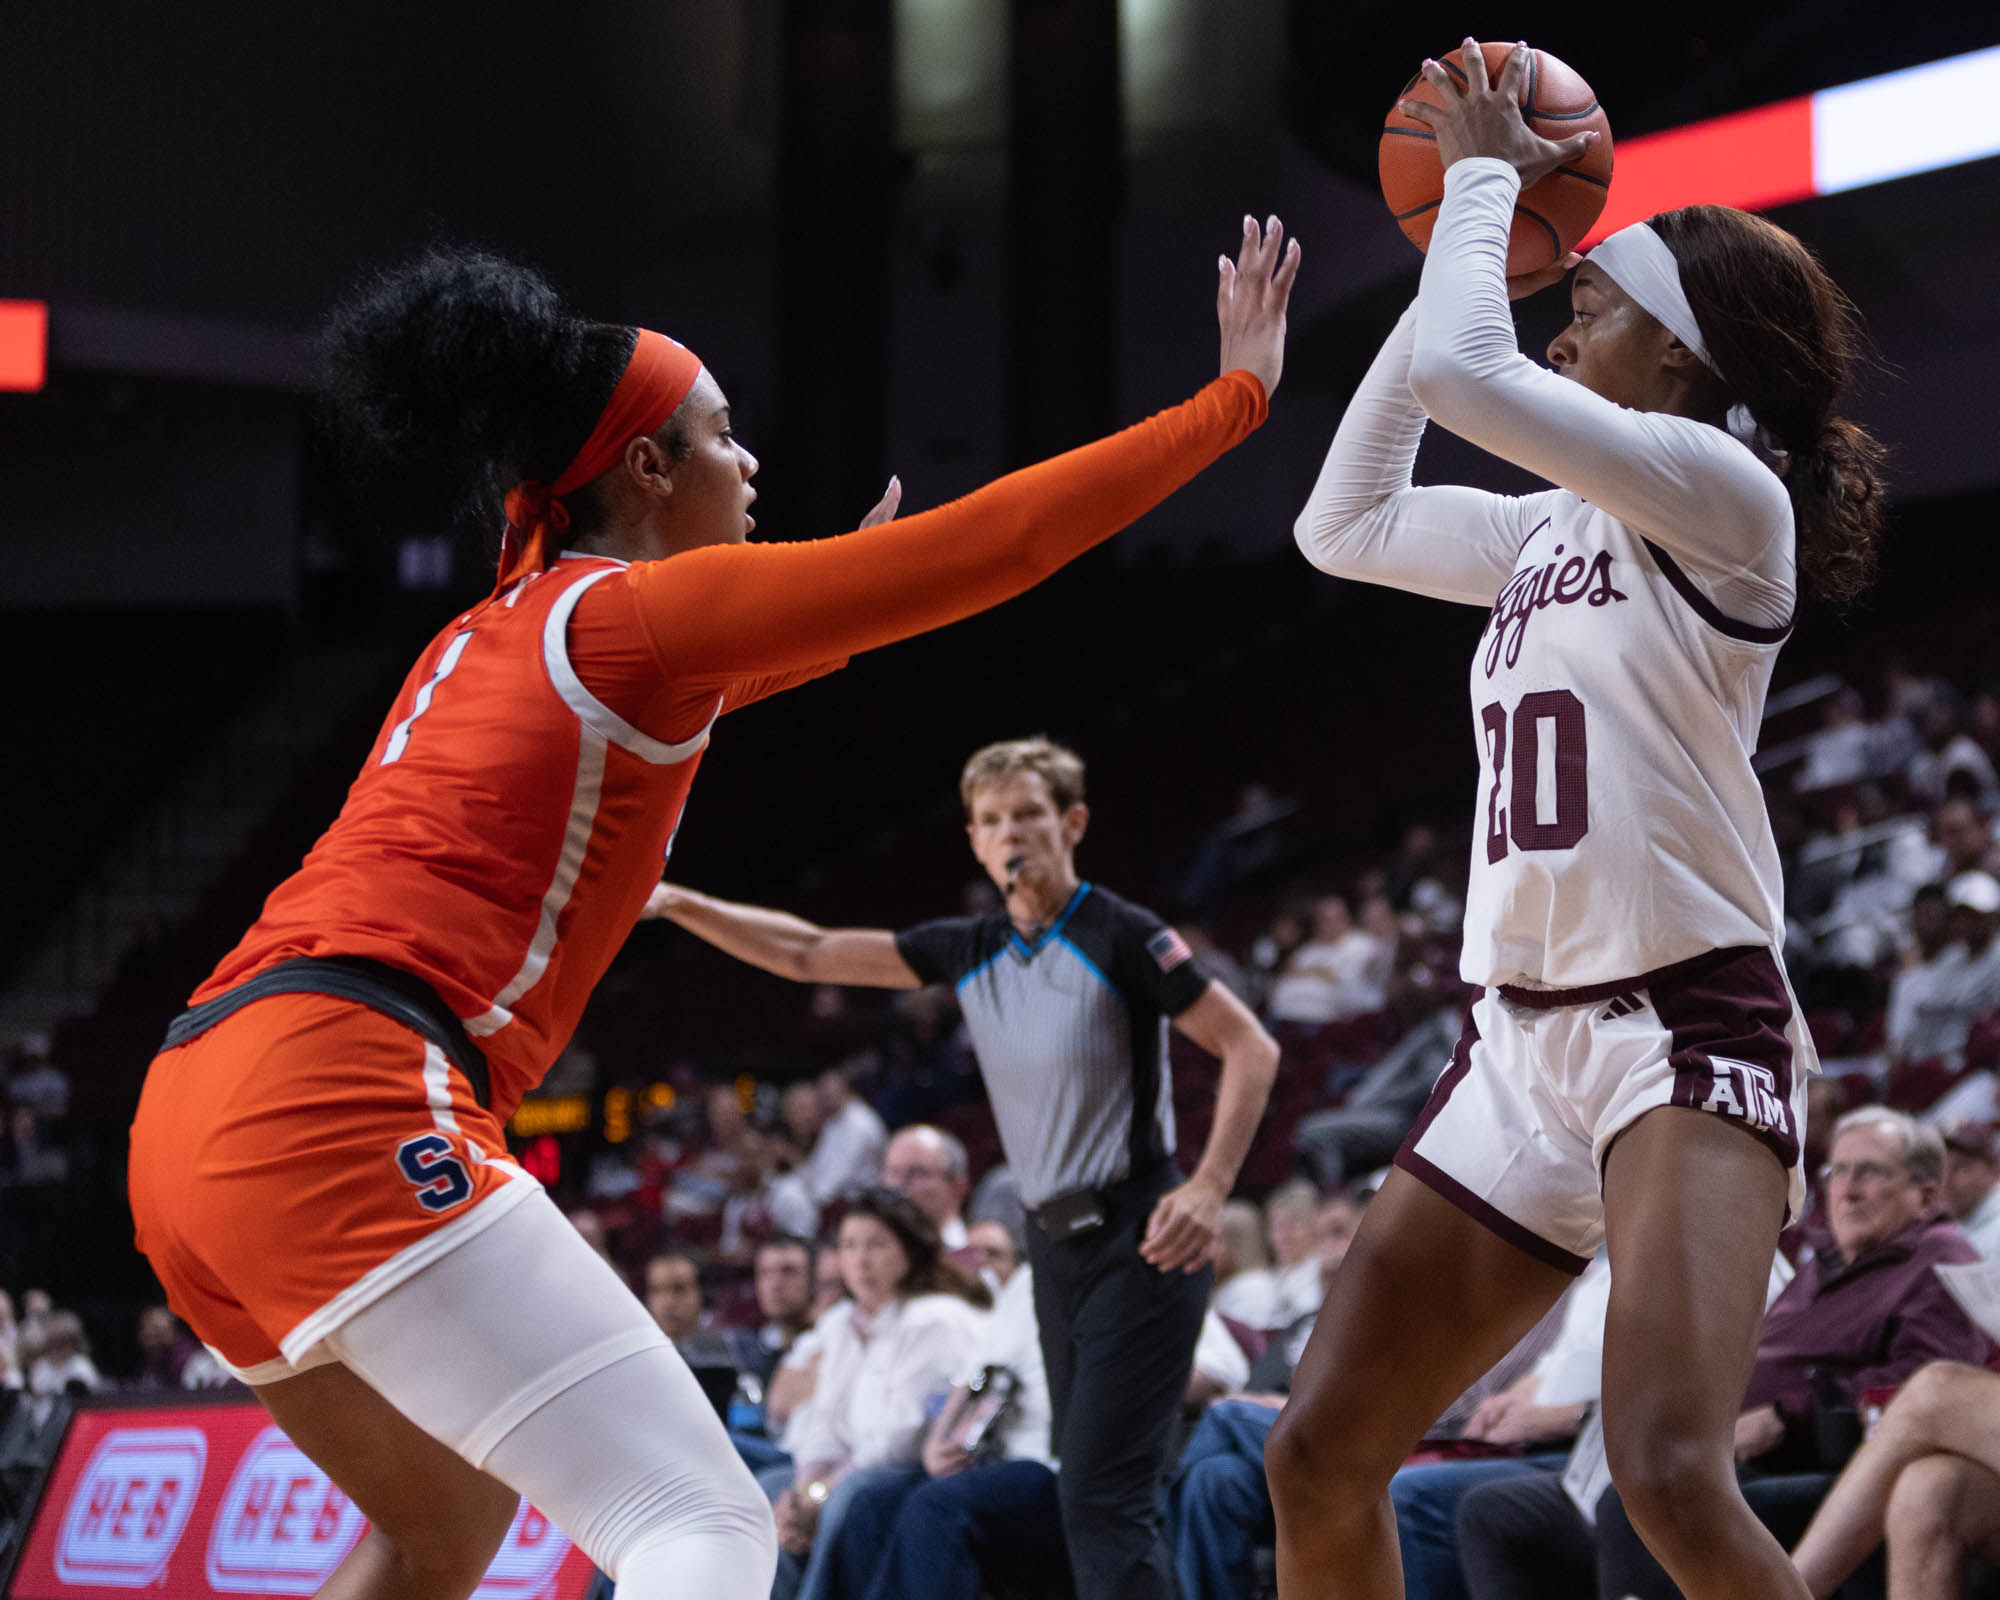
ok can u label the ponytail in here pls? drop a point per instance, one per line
(1787, 343)
(463, 366)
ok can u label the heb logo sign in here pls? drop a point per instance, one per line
(282, 1527)
(130, 1507)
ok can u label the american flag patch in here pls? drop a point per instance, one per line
(1168, 949)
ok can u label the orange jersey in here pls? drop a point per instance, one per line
(515, 810)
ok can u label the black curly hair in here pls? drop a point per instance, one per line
(465, 367)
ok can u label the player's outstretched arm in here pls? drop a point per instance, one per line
(739, 611)
(779, 942)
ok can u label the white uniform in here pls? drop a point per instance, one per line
(1626, 905)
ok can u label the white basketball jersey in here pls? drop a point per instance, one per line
(1620, 826)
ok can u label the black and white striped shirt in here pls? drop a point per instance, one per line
(1071, 1033)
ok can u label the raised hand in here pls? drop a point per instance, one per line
(884, 510)
(1251, 295)
(1484, 119)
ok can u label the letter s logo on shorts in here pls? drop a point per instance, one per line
(437, 1175)
(130, 1507)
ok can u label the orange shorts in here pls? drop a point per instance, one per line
(299, 1160)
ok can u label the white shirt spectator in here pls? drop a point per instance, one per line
(847, 1156)
(1218, 1357)
(44, 1087)
(1930, 771)
(878, 1375)
(47, 1378)
(1329, 981)
(1299, 1290)
(1013, 1340)
(1250, 1298)
(1933, 1007)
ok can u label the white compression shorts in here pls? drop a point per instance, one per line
(524, 1353)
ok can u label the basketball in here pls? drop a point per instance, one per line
(1551, 216)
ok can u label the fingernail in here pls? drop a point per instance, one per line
(1272, 225)
(1249, 223)
(1222, 262)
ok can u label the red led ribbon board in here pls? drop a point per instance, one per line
(24, 345)
(211, 1499)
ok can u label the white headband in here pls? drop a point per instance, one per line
(1639, 262)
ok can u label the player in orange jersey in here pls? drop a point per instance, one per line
(319, 1173)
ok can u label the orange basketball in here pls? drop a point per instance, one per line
(1551, 216)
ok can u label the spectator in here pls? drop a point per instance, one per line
(1334, 975)
(1290, 1215)
(31, 1160)
(1527, 1425)
(64, 1365)
(1844, 749)
(1221, 1502)
(782, 1278)
(1930, 927)
(928, 1165)
(1927, 1478)
(906, 1331)
(998, 1249)
(764, 1199)
(1246, 1290)
(799, 1111)
(1415, 861)
(1965, 835)
(674, 1300)
(1972, 1183)
(998, 1199)
(591, 1227)
(1932, 1007)
(984, 1508)
(991, 1515)
(11, 1376)
(164, 1349)
(1948, 754)
(38, 1083)
(1863, 1315)
(847, 1155)
(1363, 1133)
(1276, 945)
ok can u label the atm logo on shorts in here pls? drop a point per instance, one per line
(282, 1527)
(1749, 1094)
(130, 1507)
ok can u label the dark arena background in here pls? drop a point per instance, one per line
(939, 238)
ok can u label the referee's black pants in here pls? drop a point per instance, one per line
(1118, 1341)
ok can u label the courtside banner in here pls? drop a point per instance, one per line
(209, 1499)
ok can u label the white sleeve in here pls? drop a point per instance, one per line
(1364, 520)
(1690, 488)
(938, 1334)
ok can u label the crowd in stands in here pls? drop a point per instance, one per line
(836, 1247)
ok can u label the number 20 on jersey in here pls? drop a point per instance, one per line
(1540, 794)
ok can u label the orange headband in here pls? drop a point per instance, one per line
(655, 382)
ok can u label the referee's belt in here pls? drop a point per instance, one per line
(1068, 1215)
(397, 995)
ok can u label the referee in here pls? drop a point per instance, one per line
(1067, 994)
